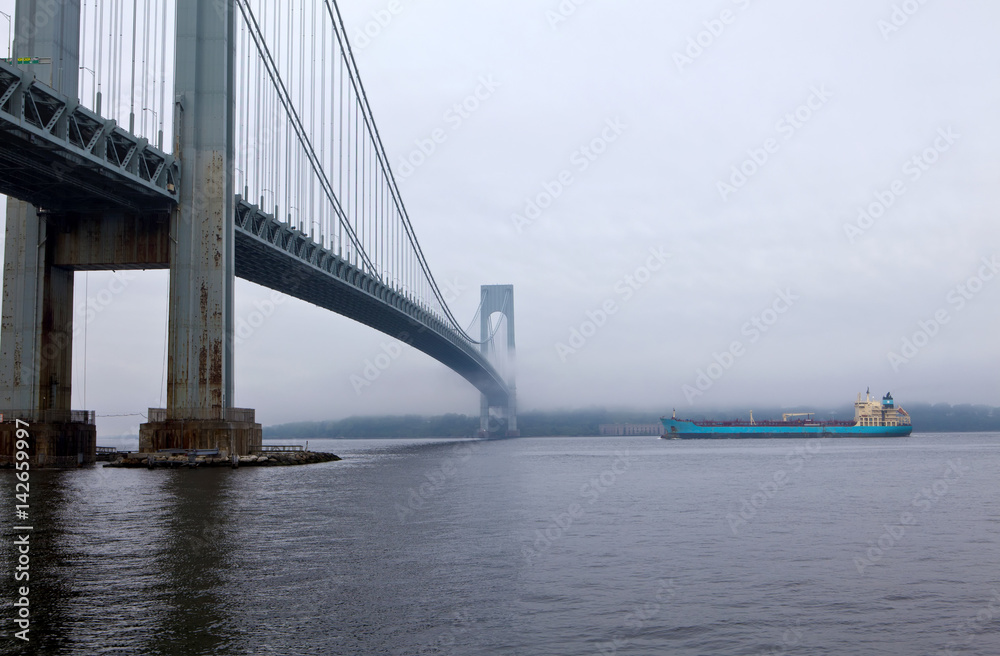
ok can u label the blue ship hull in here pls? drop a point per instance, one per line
(682, 429)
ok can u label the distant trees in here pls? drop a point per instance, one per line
(927, 418)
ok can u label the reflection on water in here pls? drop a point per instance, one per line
(437, 547)
(195, 551)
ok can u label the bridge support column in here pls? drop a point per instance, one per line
(36, 334)
(499, 298)
(199, 411)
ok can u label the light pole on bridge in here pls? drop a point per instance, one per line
(159, 138)
(93, 75)
(10, 34)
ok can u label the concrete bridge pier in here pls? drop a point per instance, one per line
(36, 333)
(199, 412)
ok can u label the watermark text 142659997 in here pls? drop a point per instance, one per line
(22, 534)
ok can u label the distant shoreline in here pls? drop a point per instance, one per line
(927, 418)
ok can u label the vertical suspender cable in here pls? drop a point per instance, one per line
(295, 122)
(92, 56)
(247, 160)
(276, 166)
(81, 81)
(96, 32)
(289, 153)
(356, 166)
(259, 110)
(131, 85)
(372, 193)
(112, 59)
(432, 286)
(98, 63)
(322, 124)
(302, 96)
(154, 60)
(288, 126)
(289, 67)
(113, 62)
(145, 50)
(119, 47)
(245, 113)
(360, 189)
(163, 77)
(340, 151)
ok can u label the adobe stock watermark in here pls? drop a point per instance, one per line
(88, 311)
(29, 25)
(581, 160)
(245, 327)
(787, 127)
(454, 117)
(958, 297)
(417, 498)
(971, 629)
(715, 27)
(790, 639)
(753, 329)
(447, 640)
(379, 21)
(639, 616)
(590, 493)
(900, 17)
(377, 365)
(565, 10)
(625, 289)
(923, 500)
(796, 460)
(96, 304)
(390, 352)
(913, 169)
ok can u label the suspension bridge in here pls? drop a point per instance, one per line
(213, 138)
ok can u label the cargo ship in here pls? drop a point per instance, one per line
(872, 418)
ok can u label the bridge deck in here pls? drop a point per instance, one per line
(63, 158)
(275, 255)
(59, 155)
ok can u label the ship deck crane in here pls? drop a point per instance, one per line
(786, 415)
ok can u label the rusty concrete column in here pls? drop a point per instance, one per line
(56, 362)
(21, 331)
(37, 325)
(200, 363)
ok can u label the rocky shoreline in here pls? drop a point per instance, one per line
(151, 460)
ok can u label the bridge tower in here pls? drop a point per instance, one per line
(36, 334)
(200, 412)
(195, 240)
(498, 298)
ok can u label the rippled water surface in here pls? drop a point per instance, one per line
(533, 546)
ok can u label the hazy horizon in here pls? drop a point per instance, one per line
(702, 204)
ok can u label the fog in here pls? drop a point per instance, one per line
(699, 204)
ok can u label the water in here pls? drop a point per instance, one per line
(533, 546)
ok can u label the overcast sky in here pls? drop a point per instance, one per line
(703, 167)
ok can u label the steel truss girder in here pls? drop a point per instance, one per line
(59, 155)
